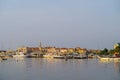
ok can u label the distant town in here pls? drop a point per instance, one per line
(55, 52)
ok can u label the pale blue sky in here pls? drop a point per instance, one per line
(91, 24)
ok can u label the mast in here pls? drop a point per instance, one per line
(40, 48)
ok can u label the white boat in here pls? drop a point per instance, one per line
(80, 56)
(114, 59)
(47, 56)
(19, 55)
(58, 57)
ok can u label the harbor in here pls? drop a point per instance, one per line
(59, 39)
(51, 63)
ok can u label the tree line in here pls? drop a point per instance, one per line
(111, 52)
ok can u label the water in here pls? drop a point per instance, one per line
(57, 69)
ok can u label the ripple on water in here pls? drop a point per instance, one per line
(57, 69)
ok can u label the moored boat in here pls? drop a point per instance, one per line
(47, 56)
(19, 55)
(109, 59)
(63, 57)
(79, 57)
(58, 57)
(4, 58)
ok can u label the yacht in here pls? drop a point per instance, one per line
(19, 55)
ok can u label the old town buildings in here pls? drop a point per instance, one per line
(52, 50)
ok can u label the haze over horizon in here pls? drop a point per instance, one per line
(91, 24)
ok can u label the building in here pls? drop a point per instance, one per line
(28, 49)
(81, 50)
(50, 50)
(23, 49)
(116, 45)
(71, 50)
(63, 51)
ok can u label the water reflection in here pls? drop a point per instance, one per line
(117, 66)
(115, 63)
(57, 69)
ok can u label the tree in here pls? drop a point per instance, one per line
(104, 52)
(117, 49)
(111, 52)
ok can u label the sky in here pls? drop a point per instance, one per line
(91, 24)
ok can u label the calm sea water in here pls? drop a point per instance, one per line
(57, 69)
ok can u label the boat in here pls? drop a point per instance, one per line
(79, 57)
(19, 55)
(109, 59)
(34, 55)
(47, 56)
(4, 58)
(63, 57)
(59, 57)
